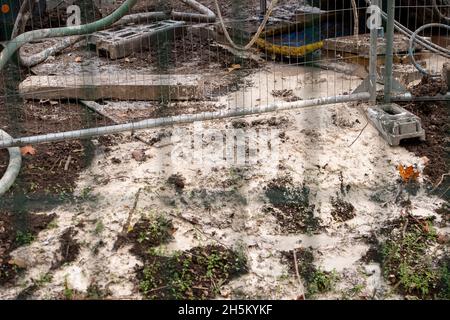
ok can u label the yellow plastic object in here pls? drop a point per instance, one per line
(288, 51)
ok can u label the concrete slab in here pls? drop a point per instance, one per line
(113, 86)
(360, 44)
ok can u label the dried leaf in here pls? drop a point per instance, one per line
(408, 173)
(28, 150)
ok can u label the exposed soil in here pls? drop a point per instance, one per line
(314, 279)
(192, 274)
(291, 207)
(177, 180)
(147, 233)
(342, 210)
(435, 119)
(11, 237)
(69, 249)
(305, 261)
(429, 87)
(54, 168)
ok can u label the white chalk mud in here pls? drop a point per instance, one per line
(314, 149)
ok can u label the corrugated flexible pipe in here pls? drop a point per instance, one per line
(205, 15)
(13, 45)
(15, 162)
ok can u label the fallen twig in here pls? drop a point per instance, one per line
(126, 226)
(300, 283)
(66, 166)
(440, 181)
(359, 135)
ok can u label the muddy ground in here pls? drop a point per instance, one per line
(435, 121)
(114, 217)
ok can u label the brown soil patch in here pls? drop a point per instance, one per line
(11, 237)
(435, 122)
(69, 249)
(289, 204)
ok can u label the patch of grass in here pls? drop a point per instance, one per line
(321, 281)
(52, 225)
(94, 292)
(43, 279)
(194, 274)
(68, 292)
(99, 227)
(315, 280)
(408, 263)
(155, 232)
(24, 238)
(291, 207)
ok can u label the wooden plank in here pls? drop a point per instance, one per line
(113, 86)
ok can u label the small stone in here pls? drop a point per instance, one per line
(18, 262)
(442, 239)
(138, 155)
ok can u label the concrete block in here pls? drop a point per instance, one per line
(121, 41)
(395, 123)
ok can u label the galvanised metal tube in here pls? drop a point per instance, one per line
(389, 52)
(407, 97)
(162, 122)
(13, 45)
(15, 162)
(373, 62)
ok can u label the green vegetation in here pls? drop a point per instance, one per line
(321, 281)
(315, 279)
(24, 238)
(194, 274)
(408, 262)
(154, 232)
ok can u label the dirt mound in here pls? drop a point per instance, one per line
(434, 118)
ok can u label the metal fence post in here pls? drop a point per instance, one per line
(389, 51)
(373, 61)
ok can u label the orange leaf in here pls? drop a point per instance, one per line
(28, 150)
(408, 173)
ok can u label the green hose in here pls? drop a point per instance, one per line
(13, 45)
